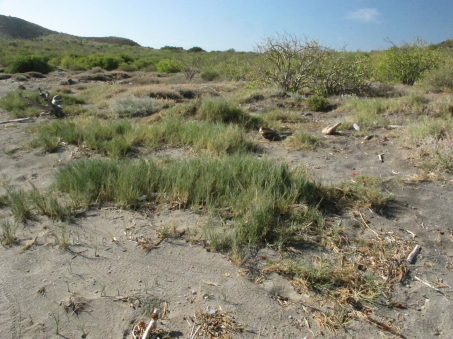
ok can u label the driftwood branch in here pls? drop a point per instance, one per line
(15, 120)
(53, 106)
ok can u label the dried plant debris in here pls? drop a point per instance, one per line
(214, 324)
(349, 280)
(148, 244)
(75, 304)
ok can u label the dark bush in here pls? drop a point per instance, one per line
(29, 63)
(317, 103)
(209, 75)
(195, 50)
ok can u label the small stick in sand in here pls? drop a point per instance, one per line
(198, 328)
(413, 254)
(411, 233)
(381, 157)
(366, 224)
(428, 284)
(152, 325)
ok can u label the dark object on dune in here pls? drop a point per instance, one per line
(269, 134)
(53, 107)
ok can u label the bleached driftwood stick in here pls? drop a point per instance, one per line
(366, 224)
(152, 325)
(15, 120)
(198, 328)
(428, 284)
(411, 233)
(413, 254)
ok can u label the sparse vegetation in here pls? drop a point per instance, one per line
(121, 139)
(9, 233)
(132, 106)
(430, 142)
(302, 140)
(19, 204)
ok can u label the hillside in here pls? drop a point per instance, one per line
(16, 28)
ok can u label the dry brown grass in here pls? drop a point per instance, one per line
(349, 277)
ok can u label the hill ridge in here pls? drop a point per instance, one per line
(17, 28)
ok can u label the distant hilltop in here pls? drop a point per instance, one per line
(16, 28)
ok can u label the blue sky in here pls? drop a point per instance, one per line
(242, 24)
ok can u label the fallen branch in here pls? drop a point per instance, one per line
(383, 326)
(16, 120)
(413, 254)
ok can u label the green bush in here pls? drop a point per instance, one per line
(29, 63)
(168, 66)
(342, 73)
(317, 103)
(210, 75)
(108, 63)
(406, 64)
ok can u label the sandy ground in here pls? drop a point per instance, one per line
(105, 283)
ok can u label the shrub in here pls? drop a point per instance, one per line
(195, 49)
(288, 62)
(29, 63)
(108, 63)
(406, 64)
(317, 103)
(341, 73)
(132, 106)
(210, 75)
(168, 66)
